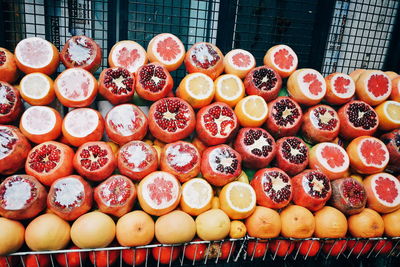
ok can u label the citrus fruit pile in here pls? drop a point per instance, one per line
(233, 150)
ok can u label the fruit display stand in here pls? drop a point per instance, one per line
(321, 41)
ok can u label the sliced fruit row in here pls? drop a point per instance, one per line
(183, 160)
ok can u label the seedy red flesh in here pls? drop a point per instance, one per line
(361, 116)
(152, 78)
(7, 99)
(284, 117)
(93, 158)
(205, 63)
(264, 79)
(112, 75)
(3, 58)
(45, 159)
(348, 196)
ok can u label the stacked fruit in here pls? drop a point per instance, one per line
(182, 158)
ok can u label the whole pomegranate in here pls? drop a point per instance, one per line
(348, 195)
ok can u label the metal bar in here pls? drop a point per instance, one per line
(226, 25)
(392, 59)
(320, 33)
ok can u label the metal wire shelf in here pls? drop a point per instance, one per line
(237, 251)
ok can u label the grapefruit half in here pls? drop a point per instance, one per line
(331, 159)
(35, 54)
(373, 87)
(40, 124)
(340, 88)
(159, 193)
(282, 59)
(127, 54)
(383, 192)
(239, 62)
(82, 125)
(368, 155)
(306, 86)
(76, 87)
(166, 49)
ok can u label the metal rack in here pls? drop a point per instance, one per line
(330, 35)
(237, 252)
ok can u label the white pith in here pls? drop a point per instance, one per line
(228, 127)
(130, 45)
(122, 117)
(197, 199)
(162, 38)
(239, 85)
(371, 95)
(396, 201)
(107, 194)
(71, 81)
(174, 190)
(135, 154)
(383, 146)
(179, 158)
(81, 122)
(35, 82)
(277, 183)
(317, 184)
(17, 194)
(259, 143)
(78, 52)
(295, 59)
(246, 187)
(324, 162)
(3, 97)
(230, 55)
(202, 53)
(248, 98)
(325, 118)
(209, 86)
(385, 110)
(41, 45)
(4, 141)
(304, 87)
(223, 156)
(67, 191)
(38, 120)
(351, 88)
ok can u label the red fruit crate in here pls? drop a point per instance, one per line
(247, 249)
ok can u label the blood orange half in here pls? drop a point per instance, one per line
(82, 125)
(35, 54)
(159, 193)
(331, 159)
(125, 123)
(166, 49)
(282, 59)
(373, 87)
(306, 86)
(76, 87)
(40, 124)
(383, 192)
(340, 88)
(368, 155)
(127, 54)
(239, 62)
